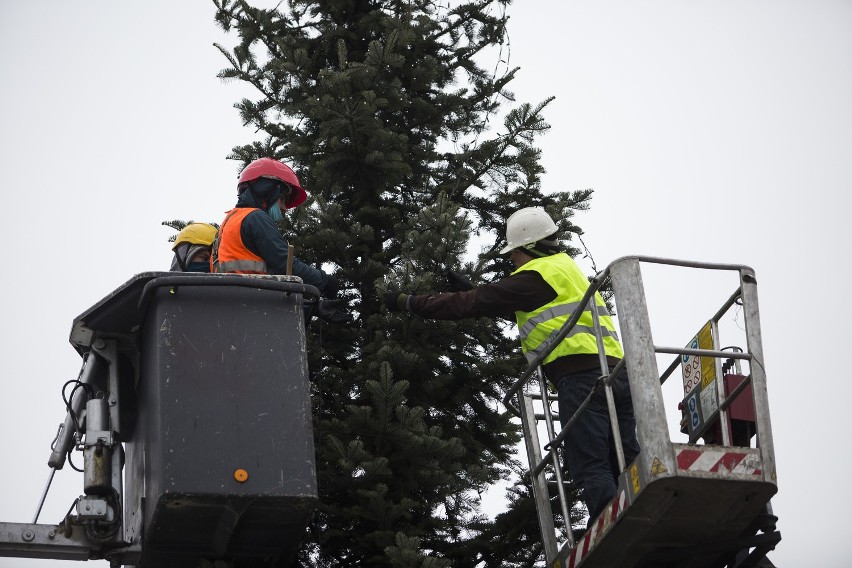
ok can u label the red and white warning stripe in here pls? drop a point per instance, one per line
(717, 460)
(704, 458)
(606, 519)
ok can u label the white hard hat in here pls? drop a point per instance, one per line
(527, 226)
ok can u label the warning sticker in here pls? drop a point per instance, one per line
(708, 364)
(693, 411)
(691, 368)
(698, 370)
(709, 399)
(634, 478)
(658, 467)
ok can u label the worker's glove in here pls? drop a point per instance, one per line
(331, 288)
(333, 311)
(457, 282)
(395, 301)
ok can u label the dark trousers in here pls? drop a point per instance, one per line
(589, 445)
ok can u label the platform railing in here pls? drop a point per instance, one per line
(640, 359)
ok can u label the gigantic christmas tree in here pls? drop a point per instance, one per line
(388, 112)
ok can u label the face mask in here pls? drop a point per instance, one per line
(203, 266)
(275, 212)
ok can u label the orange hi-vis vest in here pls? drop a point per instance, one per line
(229, 252)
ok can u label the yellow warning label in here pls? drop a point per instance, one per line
(557, 564)
(634, 478)
(699, 370)
(708, 364)
(658, 467)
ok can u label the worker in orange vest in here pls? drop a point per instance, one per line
(249, 241)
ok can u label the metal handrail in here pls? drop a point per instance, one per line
(226, 280)
(594, 285)
(677, 262)
(716, 317)
(604, 380)
(703, 352)
(554, 455)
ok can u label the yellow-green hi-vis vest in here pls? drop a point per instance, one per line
(537, 327)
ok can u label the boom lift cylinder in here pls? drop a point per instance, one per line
(65, 436)
(98, 449)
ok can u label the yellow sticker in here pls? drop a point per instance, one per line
(658, 467)
(698, 370)
(634, 478)
(708, 364)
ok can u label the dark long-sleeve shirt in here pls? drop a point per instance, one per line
(260, 235)
(521, 292)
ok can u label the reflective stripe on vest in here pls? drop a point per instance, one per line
(539, 328)
(230, 254)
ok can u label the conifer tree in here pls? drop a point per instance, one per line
(383, 109)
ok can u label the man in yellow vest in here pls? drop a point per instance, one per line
(541, 294)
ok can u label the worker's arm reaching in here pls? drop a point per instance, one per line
(522, 291)
(543, 292)
(519, 292)
(261, 236)
(249, 240)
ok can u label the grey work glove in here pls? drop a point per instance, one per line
(457, 282)
(333, 311)
(395, 301)
(331, 288)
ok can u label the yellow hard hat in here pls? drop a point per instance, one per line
(196, 234)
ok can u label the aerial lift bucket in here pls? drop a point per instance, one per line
(217, 418)
(683, 505)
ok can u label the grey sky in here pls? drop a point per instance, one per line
(716, 131)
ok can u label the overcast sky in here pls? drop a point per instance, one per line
(710, 130)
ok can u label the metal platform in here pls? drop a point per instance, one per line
(694, 516)
(193, 412)
(678, 505)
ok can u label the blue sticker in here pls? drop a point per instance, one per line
(692, 345)
(692, 405)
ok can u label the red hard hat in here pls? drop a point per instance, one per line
(269, 168)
